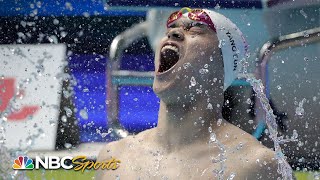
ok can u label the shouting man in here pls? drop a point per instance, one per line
(195, 62)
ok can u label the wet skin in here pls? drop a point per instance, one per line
(178, 148)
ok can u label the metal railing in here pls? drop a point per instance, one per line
(283, 42)
(117, 77)
(299, 39)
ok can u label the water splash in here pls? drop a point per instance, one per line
(283, 166)
(220, 158)
(300, 109)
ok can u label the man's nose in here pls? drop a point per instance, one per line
(175, 34)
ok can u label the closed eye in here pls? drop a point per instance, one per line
(198, 24)
(197, 27)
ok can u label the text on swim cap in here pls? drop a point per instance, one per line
(234, 50)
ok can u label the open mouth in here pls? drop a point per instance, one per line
(169, 56)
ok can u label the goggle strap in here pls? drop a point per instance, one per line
(185, 9)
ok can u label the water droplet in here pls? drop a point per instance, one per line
(314, 98)
(203, 71)
(52, 123)
(64, 118)
(53, 39)
(232, 175)
(83, 113)
(279, 87)
(227, 135)
(41, 133)
(55, 21)
(211, 58)
(304, 14)
(4, 118)
(68, 111)
(294, 134)
(215, 80)
(86, 14)
(2, 135)
(198, 91)
(209, 106)
(212, 137)
(186, 65)
(210, 130)
(85, 89)
(239, 146)
(221, 43)
(219, 122)
(193, 81)
(29, 141)
(275, 70)
(67, 145)
(300, 109)
(307, 125)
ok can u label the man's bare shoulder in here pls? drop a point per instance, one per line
(120, 148)
(259, 162)
(265, 166)
(248, 158)
(131, 151)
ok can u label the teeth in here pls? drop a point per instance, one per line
(174, 48)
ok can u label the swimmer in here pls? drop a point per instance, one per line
(195, 63)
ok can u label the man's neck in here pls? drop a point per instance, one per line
(180, 125)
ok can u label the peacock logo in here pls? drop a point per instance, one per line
(23, 163)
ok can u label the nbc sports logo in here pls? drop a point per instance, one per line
(23, 163)
(78, 163)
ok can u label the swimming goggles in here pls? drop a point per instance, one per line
(193, 14)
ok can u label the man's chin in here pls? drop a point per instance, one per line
(169, 93)
(160, 90)
(163, 91)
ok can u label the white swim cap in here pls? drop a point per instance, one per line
(233, 45)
